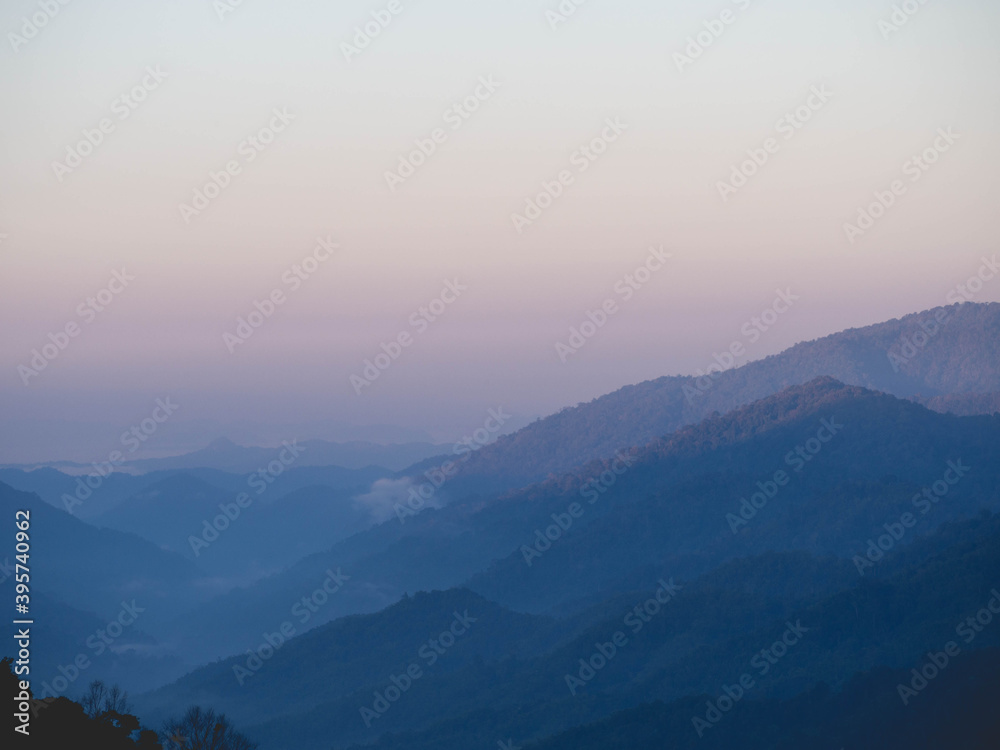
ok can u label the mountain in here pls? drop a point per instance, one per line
(168, 511)
(91, 495)
(345, 657)
(82, 579)
(960, 711)
(71, 492)
(508, 674)
(601, 576)
(95, 570)
(226, 455)
(686, 504)
(271, 530)
(133, 659)
(963, 404)
(90, 492)
(961, 359)
(668, 514)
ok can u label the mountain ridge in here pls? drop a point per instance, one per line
(965, 362)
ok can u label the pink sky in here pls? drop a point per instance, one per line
(349, 122)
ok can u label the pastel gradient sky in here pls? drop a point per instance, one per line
(324, 175)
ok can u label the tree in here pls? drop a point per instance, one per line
(100, 699)
(94, 699)
(103, 722)
(203, 730)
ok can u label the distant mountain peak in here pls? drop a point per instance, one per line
(221, 444)
(944, 356)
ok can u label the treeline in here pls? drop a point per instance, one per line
(832, 691)
(103, 719)
(956, 709)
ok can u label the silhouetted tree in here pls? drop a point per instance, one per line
(100, 699)
(59, 722)
(203, 730)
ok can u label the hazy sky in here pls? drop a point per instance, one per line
(682, 126)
